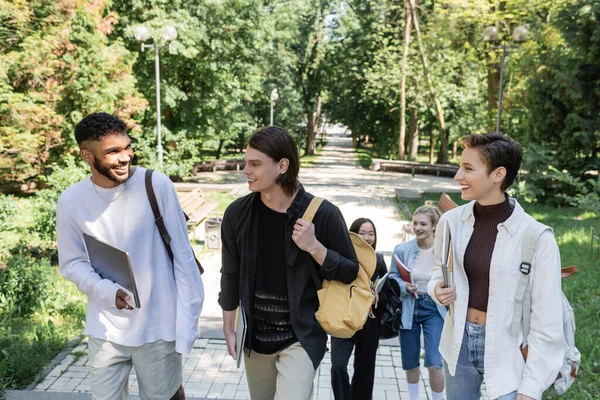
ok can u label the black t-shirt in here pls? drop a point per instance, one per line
(273, 329)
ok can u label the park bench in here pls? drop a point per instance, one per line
(414, 167)
(234, 164)
(195, 205)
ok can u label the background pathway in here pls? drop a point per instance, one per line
(208, 371)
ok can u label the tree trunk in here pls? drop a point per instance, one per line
(414, 133)
(443, 154)
(218, 152)
(407, 28)
(311, 129)
(454, 149)
(431, 148)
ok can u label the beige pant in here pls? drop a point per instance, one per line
(157, 366)
(286, 375)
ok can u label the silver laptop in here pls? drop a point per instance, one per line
(112, 264)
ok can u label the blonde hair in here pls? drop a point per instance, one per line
(429, 211)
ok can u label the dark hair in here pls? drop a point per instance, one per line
(355, 227)
(98, 125)
(497, 150)
(278, 144)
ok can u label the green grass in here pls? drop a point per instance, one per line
(27, 344)
(364, 153)
(224, 199)
(309, 160)
(572, 232)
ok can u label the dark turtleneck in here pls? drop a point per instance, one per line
(478, 254)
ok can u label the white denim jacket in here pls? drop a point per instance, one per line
(505, 369)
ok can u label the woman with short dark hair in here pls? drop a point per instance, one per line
(487, 234)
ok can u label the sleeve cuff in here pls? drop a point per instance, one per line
(531, 388)
(431, 291)
(229, 304)
(106, 293)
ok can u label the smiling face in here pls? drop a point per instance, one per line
(367, 232)
(262, 171)
(110, 158)
(422, 226)
(476, 181)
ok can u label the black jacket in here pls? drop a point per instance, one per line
(239, 235)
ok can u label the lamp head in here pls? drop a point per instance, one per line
(169, 33)
(141, 33)
(520, 34)
(490, 34)
(274, 95)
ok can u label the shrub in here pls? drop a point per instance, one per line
(25, 285)
(44, 202)
(8, 211)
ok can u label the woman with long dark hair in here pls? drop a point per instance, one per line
(364, 342)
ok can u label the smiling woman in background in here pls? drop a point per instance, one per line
(419, 311)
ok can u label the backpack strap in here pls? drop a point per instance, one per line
(160, 223)
(158, 219)
(523, 295)
(312, 209)
(308, 216)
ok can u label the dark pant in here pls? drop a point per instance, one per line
(365, 343)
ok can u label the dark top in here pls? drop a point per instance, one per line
(380, 270)
(478, 253)
(239, 235)
(273, 327)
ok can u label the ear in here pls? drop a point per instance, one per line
(284, 163)
(87, 156)
(498, 174)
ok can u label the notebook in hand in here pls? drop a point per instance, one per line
(405, 273)
(447, 256)
(112, 264)
(240, 326)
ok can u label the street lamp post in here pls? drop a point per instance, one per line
(490, 34)
(169, 34)
(274, 97)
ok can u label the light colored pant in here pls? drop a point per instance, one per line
(157, 366)
(286, 375)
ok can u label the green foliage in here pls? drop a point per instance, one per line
(24, 285)
(44, 202)
(29, 343)
(8, 211)
(57, 66)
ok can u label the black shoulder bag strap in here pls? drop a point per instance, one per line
(160, 223)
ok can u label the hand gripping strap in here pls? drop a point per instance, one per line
(312, 209)
(523, 295)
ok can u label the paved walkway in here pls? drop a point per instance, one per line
(208, 371)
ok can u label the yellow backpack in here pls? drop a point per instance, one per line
(344, 308)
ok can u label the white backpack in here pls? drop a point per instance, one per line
(570, 367)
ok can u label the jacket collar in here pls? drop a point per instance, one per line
(511, 224)
(297, 204)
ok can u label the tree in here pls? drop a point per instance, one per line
(58, 65)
